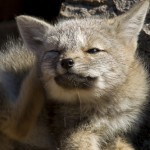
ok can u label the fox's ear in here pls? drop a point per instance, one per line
(33, 31)
(131, 23)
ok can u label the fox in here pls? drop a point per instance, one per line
(75, 85)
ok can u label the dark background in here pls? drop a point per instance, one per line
(9, 9)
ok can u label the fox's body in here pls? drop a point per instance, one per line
(82, 88)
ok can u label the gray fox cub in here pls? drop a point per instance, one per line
(83, 88)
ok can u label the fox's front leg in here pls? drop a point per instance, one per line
(98, 134)
(26, 111)
(122, 144)
(80, 140)
(86, 140)
(119, 143)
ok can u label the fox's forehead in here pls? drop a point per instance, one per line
(80, 33)
(85, 25)
(72, 37)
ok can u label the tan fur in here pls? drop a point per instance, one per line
(15, 121)
(100, 97)
(34, 104)
(119, 144)
(123, 145)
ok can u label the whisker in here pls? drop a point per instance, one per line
(80, 103)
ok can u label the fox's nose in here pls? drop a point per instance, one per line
(67, 63)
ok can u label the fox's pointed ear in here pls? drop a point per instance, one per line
(33, 31)
(131, 23)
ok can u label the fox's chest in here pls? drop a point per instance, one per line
(65, 117)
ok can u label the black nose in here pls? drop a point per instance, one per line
(67, 63)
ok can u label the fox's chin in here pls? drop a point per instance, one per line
(75, 81)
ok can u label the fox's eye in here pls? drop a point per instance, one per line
(51, 54)
(54, 51)
(93, 50)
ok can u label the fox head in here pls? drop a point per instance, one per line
(87, 57)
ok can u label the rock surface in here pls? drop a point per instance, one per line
(107, 8)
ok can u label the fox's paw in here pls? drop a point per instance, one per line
(122, 145)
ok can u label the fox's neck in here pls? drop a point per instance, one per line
(136, 84)
(133, 93)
